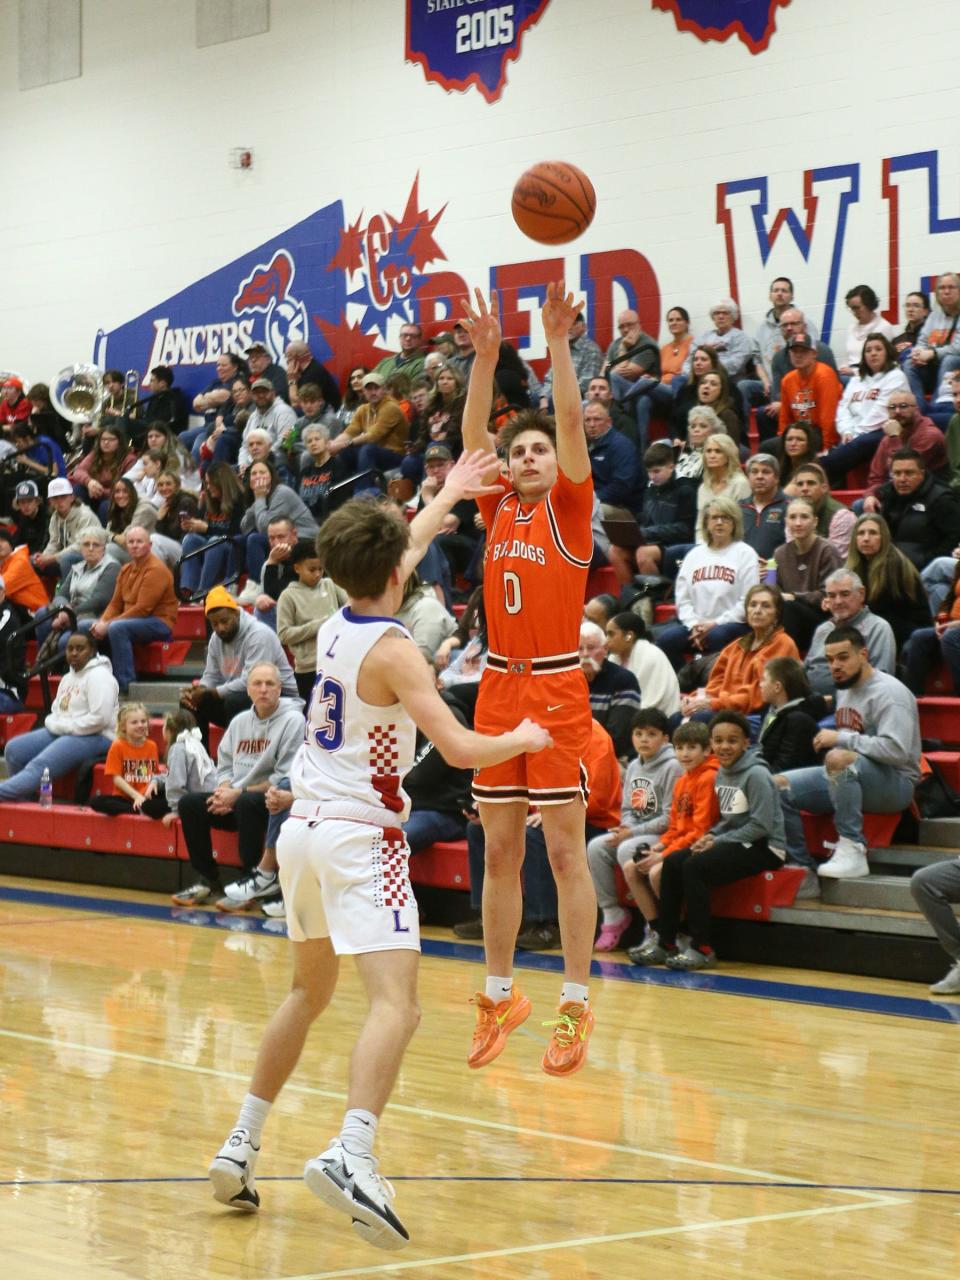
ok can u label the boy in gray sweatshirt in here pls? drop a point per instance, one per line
(748, 839)
(645, 812)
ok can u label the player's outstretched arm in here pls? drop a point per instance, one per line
(558, 314)
(396, 661)
(465, 480)
(483, 324)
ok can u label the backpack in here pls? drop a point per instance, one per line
(934, 796)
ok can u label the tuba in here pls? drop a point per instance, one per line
(77, 395)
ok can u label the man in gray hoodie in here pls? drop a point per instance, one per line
(255, 754)
(872, 761)
(748, 839)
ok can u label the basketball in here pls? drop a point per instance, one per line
(553, 202)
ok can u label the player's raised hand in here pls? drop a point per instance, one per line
(533, 736)
(466, 477)
(483, 324)
(559, 311)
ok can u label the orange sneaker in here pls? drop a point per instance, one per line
(494, 1024)
(567, 1050)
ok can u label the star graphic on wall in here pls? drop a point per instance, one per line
(348, 347)
(349, 254)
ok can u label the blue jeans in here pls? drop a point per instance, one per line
(424, 826)
(674, 639)
(206, 571)
(29, 754)
(258, 548)
(378, 458)
(267, 616)
(844, 457)
(937, 579)
(122, 634)
(539, 888)
(193, 436)
(922, 651)
(276, 820)
(10, 704)
(878, 788)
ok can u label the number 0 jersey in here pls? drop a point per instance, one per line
(354, 755)
(535, 573)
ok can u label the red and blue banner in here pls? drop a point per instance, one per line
(753, 21)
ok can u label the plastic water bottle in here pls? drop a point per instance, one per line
(770, 576)
(46, 790)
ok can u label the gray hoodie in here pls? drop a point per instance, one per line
(878, 635)
(878, 719)
(648, 792)
(254, 750)
(749, 805)
(88, 591)
(229, 661)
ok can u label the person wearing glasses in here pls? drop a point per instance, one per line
(905, 427)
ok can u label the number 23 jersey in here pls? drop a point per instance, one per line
(535, 570)
(354, 755)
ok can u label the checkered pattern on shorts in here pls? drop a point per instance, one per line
(391, 882)
(384, 756)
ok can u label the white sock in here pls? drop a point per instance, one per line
(358, 1132)
(499, 989)
(253, 1116)
(573, 991)
(614, 915)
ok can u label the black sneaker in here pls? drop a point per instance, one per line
(539, 937)
(469, 930)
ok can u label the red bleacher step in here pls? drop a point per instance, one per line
(878, 829)
(11, 726)
(940, 718)
(753, 897)
(444, 865)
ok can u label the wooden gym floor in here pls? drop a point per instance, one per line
(747, 1123)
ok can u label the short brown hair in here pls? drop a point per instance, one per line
(360, 545)
(528, 420)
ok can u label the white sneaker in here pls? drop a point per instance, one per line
(950, 985)
(274, 907)
(231, 1173)
(258, 884)
(250, 592)
(848, 861)
(350, 1184)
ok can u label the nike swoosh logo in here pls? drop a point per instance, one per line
(556, 708)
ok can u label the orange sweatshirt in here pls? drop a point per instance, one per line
(734, 683)
(144, 590)
(603, 770)
(812, 399)
(695, 807)
(22, 585)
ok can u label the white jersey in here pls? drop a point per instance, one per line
(354, 756)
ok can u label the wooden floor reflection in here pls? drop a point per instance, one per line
(710, 1136)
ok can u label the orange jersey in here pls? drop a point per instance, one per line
(535, 570)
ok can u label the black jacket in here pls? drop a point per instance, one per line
(13, 664)
(668, 512)
(786, 742)
(924, 524)
(434, 784)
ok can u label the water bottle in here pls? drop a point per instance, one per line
(770, 576)
(46, 790)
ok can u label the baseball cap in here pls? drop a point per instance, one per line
(261, 382)
(256, 346)
(26, 489)
(801, 342)
(219, 598)
(438, 453)
(14, 382)
(446, 336)
(458, 324)
(374, 378)
(60, 488)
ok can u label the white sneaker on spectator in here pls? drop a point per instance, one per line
(274, 907)
(949, 985)
(848, 861)
(250, 592)
(257, 884)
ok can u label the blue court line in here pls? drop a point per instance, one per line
(917, 1008)
(636, 1182)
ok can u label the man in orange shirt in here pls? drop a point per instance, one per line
(23, 586)
(810, 392)
(144, 606)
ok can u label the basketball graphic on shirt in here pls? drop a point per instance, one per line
(643, 798)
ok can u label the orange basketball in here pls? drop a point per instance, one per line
(553, 202)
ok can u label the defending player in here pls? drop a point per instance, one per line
(539, 545)
(343, 857)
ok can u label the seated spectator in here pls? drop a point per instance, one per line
(23, 587)
(630, 358)
(645, 811)
(277, 572)
(614, 692)
(302, 369)
(834, 521)
(693, 811)
(143, 606)
(263, 366)
(714, 392)
(712, 584)
(270, 414)
(214, 397)
(734, 681)
(353, 396)
(39, 455)
(161, 441)
(722, 478)
(916, 308)
(132, 767)
(86, 590)
(702, 423)
(627, 645)
(673, 355)
(269, 500)
(928, 645)
(78, 731)
(702, 360)
(377, 433)
(599, 389)
(176, 507)
(666, 517)
(936, 352)
(764, 512)
(862, 411)
(844, 599)
(45, 418)
(221, 439)
(315, 413)
(733, 347)
(803, 562)
(14, 405)
(937, 579)
(302, 608)
(237, 645)
(923, 514)
(440, 795)
(792, 324)
(98, 471)
(439, 423)
(587, 361)
(872, 763)
(13, 663)
(409, 359)
(906, 428)
(28, 524)
(810, 392)
(424, 616)
(460, 531)
(894, 589)
(747, 840)
(792, 717)
(254, 754)
(768, 341)
(203, 566)
(613, 463)
(472, 622)
(126, 509)
(320, 473)
(189, 768)
(797, 446)
(165, 404)
(863, 305)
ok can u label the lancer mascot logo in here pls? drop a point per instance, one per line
(266, 291)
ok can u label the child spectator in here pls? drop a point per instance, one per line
(302, 609)
(748, 839)
(133, 763)
(693, 812)
(647, 793)
(189, 768)
(791, 720)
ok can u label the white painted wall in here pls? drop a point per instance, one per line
(117, 193)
